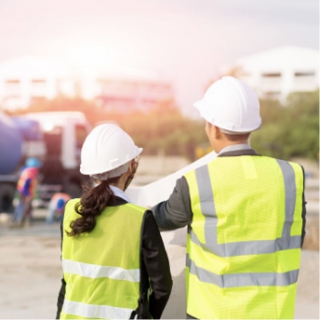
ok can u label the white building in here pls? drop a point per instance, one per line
(277, 72)
(26, 79)
(125, 89)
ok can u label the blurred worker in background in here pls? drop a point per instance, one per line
(245, 215)
(114, 262)
(56, 207)
(26, 190)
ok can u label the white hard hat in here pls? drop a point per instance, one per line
(107, 147)
(231, 105)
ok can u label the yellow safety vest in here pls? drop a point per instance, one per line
(102, 268)
(243, 245)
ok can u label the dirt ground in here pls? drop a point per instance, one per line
(30, 273)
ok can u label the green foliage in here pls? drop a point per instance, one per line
(162, 129)
(289, 131)
(165, 131)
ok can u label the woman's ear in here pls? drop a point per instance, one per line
(130, 173)
(133, 166)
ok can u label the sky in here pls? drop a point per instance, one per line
(185, 42)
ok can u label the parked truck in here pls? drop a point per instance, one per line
(10, 156)
(55, 138)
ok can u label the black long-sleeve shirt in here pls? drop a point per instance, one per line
(155, 269)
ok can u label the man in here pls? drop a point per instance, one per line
(26, 190)
(245, 214)
(56, 207)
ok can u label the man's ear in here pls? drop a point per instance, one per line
(216, 132)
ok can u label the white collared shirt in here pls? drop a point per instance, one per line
(119, 193)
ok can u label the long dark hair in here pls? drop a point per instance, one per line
(92, 203)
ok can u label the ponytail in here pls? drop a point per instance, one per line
(91, 205)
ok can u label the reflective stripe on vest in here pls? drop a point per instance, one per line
(243, 279)
(93, 271)
(102, 268)
(244, 263)
(94, 311)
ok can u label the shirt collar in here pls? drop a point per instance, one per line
(119, 193)
(235, 147)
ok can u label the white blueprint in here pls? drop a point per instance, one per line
(160, 190)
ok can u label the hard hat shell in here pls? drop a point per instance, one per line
(106, 148)
(231, 104)
(33, 163)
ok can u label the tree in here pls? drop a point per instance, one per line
(302, 125)
(165, 130)
(289, 131)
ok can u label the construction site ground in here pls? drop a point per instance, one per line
(30, 274)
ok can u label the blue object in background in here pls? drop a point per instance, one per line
(11, 142)
(30, 129)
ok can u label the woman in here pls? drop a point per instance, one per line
(114, 261)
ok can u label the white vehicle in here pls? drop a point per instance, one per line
(63, 135)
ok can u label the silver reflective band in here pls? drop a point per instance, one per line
(232, 249)
(290, 194)
(95, 271)
(243, 279)
(95, 311)
(244, 247)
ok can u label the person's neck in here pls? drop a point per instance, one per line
(118, 184)
(121, 182)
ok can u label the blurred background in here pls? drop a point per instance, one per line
(143, 64)
(68, 66)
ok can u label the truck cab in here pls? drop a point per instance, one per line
(63, 136)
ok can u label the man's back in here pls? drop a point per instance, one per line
(244, 238)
